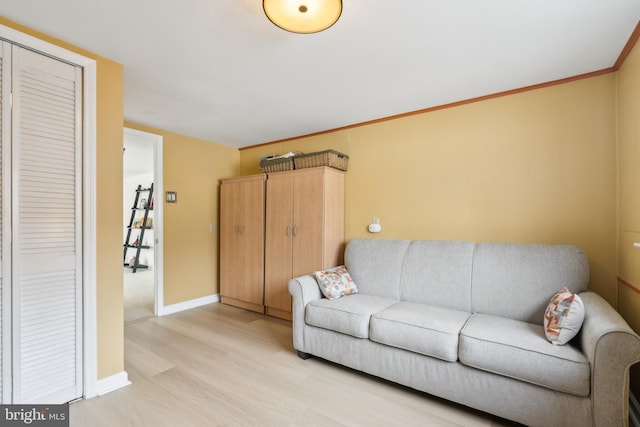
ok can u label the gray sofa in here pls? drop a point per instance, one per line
(464, 321)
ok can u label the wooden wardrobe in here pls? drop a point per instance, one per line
(303, 232)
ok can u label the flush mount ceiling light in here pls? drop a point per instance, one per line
(303, 16)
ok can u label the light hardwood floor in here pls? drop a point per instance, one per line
(138, 294)
(222, 366)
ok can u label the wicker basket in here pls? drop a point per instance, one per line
(329, 158)
(277, 165)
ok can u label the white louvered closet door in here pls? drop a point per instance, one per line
(46, 228)
(5, 225)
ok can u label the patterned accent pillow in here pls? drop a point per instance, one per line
(563, 317)
(336, 282)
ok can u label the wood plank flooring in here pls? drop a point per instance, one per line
(139, 294)
(222, 366)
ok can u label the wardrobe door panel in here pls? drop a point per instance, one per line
(252, 235)
(278, 242)
(242, 242)
(230, 263)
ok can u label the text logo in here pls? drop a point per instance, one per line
(34, 415)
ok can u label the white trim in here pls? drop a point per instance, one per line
(187, 305)
(112, 383)
(158, 213)
(90, 232)
(158, 172)
(89, 192)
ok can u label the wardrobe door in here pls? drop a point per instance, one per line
(280, 233)
(46, 229)
(242, 242)
(252, 235)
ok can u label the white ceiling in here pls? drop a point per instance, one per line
(220, 71)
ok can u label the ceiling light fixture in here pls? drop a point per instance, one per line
(303, 16)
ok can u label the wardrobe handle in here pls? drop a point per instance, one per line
(242, 229)
(236, 228)
(288, 230)
(295, 230)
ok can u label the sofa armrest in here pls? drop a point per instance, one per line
(303, 290)
(612, 347)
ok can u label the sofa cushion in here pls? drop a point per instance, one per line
(349, 315)
(520, 350)
(438, 273)
(376, 265)
(421, 328)
(563, 317)
(517, 280)
(336, 282)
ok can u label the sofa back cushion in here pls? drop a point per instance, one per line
(517, 280)
(375, 265)
(438, 273)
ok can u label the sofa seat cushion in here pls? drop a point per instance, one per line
(349, 315)
(421, 328)
(520, 350)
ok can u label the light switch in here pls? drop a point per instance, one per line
(171, 197)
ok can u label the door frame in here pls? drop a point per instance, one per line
(89, 202)
(158, 212)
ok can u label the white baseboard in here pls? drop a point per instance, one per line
(187, 305)
(634, 411)
(114, 382)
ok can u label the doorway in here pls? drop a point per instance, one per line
(142, 164)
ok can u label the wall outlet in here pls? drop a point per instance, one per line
(375, 226)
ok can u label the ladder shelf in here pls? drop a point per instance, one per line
(139, 223)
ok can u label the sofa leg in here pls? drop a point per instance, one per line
(303, 355)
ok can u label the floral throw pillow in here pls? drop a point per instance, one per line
(336, 282)
(563, 317)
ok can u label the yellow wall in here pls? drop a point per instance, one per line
(628, 80)
(109, 293)
(537, 166)
(629, 186)
(193, 168)
(109, 205)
